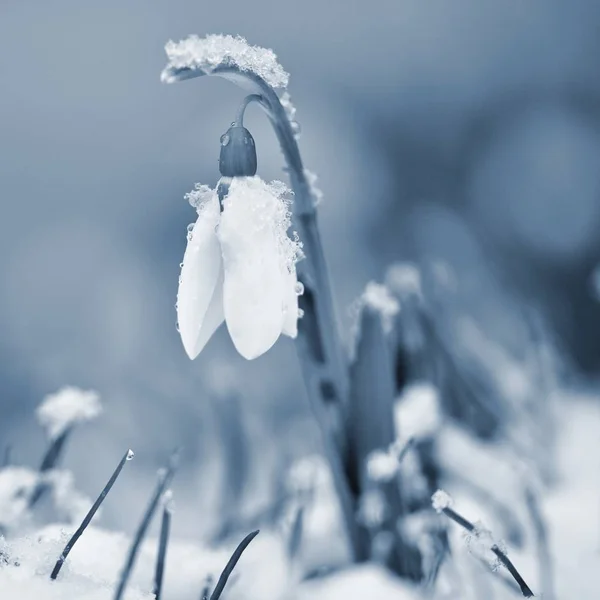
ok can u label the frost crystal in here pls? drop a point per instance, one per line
(68, 406)
(418, 413)
(307, 473)
(404, 279)
(199, 195)
(382, 466)
(378, 297)
(312, 178)
(372, 509)
(254, 206)
(211, 51)
(290, 109)
(479, 543)
(441, 500)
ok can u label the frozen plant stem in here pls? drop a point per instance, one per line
(165, 528)
(164, 480)
(466, 524)
(88, 518)
(230, 566)
(319, 349)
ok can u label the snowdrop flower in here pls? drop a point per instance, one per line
(239, 264)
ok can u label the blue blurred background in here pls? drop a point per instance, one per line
(466, 131)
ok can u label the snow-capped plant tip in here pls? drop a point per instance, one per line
(67, 407)
(208, 53)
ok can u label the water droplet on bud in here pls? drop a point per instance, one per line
(238, 153)
(130, 454)
(299, 288)
(300, 313)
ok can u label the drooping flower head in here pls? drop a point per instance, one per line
(239, 267)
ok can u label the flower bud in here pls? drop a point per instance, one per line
(238, 153)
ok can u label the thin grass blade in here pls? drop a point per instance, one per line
(90, 515)
(230, 566)
(164, 480)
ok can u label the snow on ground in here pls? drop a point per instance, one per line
(92, 567)
(571, 509)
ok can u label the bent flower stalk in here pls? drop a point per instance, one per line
(239, 267)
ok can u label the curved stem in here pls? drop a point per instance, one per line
(239, 119)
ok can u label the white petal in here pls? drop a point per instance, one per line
(290, 309)
(202, 265)
(213, 318)
(254, 286)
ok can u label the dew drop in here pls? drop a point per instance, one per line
(130, 454)
(300, 313)
(181, 265)
(296, 129)
(299, 288)
(225, 139)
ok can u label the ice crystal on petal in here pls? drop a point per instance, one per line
(198, 197)
(441, 500)
(65, 408)
(211, 51)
